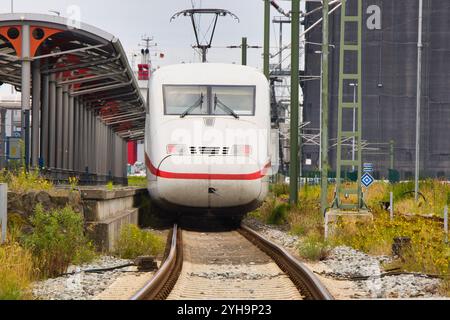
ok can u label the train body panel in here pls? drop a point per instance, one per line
(208, 138)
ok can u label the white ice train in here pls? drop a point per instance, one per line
(208, 145)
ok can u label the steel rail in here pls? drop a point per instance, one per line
(160, 286)
(162, 283)
(308, 284)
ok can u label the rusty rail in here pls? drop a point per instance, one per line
(160, 286)
(308, 284)
(162, 283)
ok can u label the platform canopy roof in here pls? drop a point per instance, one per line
(91, 62)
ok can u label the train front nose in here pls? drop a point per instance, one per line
(209, 182)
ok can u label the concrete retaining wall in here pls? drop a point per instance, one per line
(106, 212)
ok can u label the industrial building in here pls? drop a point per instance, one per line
(389, 87)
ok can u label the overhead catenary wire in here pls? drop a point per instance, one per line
(339, 4)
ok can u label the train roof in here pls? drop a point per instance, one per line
(210, 73)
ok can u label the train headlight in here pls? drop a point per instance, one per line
(242, 150)
(176, 149)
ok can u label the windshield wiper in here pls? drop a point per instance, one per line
(224, 107)
(197, 104)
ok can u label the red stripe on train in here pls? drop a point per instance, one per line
(206, 176)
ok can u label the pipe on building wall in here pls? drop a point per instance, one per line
(36, 108)
(93, 150)
(52, 136)
(45, 120)
(65, 108)
(85, 139)
(76, 128)
(59, 127)
(70, 145)
(124, 159)
(88, 141)
(26, 90)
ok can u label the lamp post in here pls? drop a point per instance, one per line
(266, 53)
(419, 98)
(294, 167)
(355, 86)
(325, 97)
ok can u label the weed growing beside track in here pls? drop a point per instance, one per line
(140, 182)
(16, 272)
(57, 240)
(43, 244)
(21, 181)
(427, 254)
(134, 242)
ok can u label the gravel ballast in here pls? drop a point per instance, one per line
(348, 263)
(82, 285)
(344, 263)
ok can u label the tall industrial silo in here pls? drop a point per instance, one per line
(389, 48)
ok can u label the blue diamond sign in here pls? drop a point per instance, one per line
(367, 180)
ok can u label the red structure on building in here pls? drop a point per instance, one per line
(143, 75)
(132, 152)
(144, 71)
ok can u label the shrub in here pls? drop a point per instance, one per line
(73, 182)
(278, 215)
(306, 220)
(110, 186)
(435, 196)
(16, 272)
(378, 192)
(279, 189)
(134, 242)
(314, 248)
(22, 181)
(57, 240)
(428, 252)
(402, 190)
(264, 211)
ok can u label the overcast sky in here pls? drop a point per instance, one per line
(131, 19)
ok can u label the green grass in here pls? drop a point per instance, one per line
(279, 189)
(314, 248)
(140, 182)
(110, 186)
(278, 216)
(134, 242)
(16, 272)
(21, 181)
(429, 253)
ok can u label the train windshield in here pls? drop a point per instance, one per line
(192, 100)
(184, 100)
(241, 100)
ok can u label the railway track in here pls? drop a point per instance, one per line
(236, 264)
